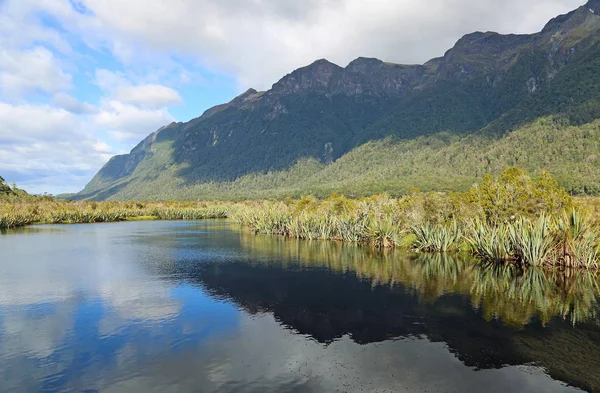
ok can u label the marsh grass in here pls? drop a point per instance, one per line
(489, 243)
(577, 236)
(437, 238)
(531, 240)
(50, 211)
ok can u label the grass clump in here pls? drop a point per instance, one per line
(47, 210)
(436, 238)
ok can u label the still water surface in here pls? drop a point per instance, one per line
(205, 307)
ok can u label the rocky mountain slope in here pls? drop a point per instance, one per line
(277, 142)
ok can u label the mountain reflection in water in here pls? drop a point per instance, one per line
(203, 306)
(489, 316)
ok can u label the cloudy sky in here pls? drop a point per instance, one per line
(82, 80)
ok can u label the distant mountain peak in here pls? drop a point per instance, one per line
(245, 96)
(236, 102)
(363, 64)
(318, 74)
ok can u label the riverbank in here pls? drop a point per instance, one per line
(513, 219)
(51, 211)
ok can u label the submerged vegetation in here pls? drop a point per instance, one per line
(513, 218)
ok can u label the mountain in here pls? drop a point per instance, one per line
(491, 101)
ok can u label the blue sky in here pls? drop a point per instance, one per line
(83, 80)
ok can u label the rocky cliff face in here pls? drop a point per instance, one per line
(324, 110)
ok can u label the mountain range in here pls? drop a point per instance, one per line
(489, 102)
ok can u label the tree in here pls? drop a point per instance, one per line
(4, 188)
(515, 194)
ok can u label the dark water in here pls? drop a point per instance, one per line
(204, 307)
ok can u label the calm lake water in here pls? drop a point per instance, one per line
(205, 307)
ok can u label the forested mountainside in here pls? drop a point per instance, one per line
(491, 101)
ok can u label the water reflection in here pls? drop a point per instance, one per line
(165, 306)
(505, 292)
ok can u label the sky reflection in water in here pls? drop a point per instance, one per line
(201, 306)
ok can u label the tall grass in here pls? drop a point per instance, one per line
(436, 238)
(531, 241)
(49, 211)
(577, 240)
(489, 243)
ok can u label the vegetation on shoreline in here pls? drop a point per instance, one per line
(18, 209)
(512, 218)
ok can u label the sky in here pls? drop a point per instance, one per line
(83, 80)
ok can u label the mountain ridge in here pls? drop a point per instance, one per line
(487, 82)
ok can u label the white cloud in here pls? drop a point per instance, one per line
(148, 95)
(36, 69)
(34, 123)
(109, 81)
(20, 26)
(47, 149)
(129, 123)
(71, 104)
(120, 88)
(260, 41)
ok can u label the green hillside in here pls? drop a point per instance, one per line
(490, 102)
(439, 162)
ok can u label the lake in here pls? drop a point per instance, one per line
(202, 306)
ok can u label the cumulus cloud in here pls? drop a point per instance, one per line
(71, 104)
(34, 123)
(35, 69)
(20, 26)
(151, 95)
(120, 87)
(41, 145)
(260, 41)
(130, 123)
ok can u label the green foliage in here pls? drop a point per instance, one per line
(4, 188)
(436, 238)
(511, 218)
(514, 194)
(434, 163)
(46, 210)
(578, 240)
(489, 243)
(531, 241)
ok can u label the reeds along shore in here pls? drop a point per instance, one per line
(512, 218)
(46, 210)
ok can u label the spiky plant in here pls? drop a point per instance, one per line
(436, 238)
(383, 233)
(577, 240)
(490, 243)
(531, 242)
